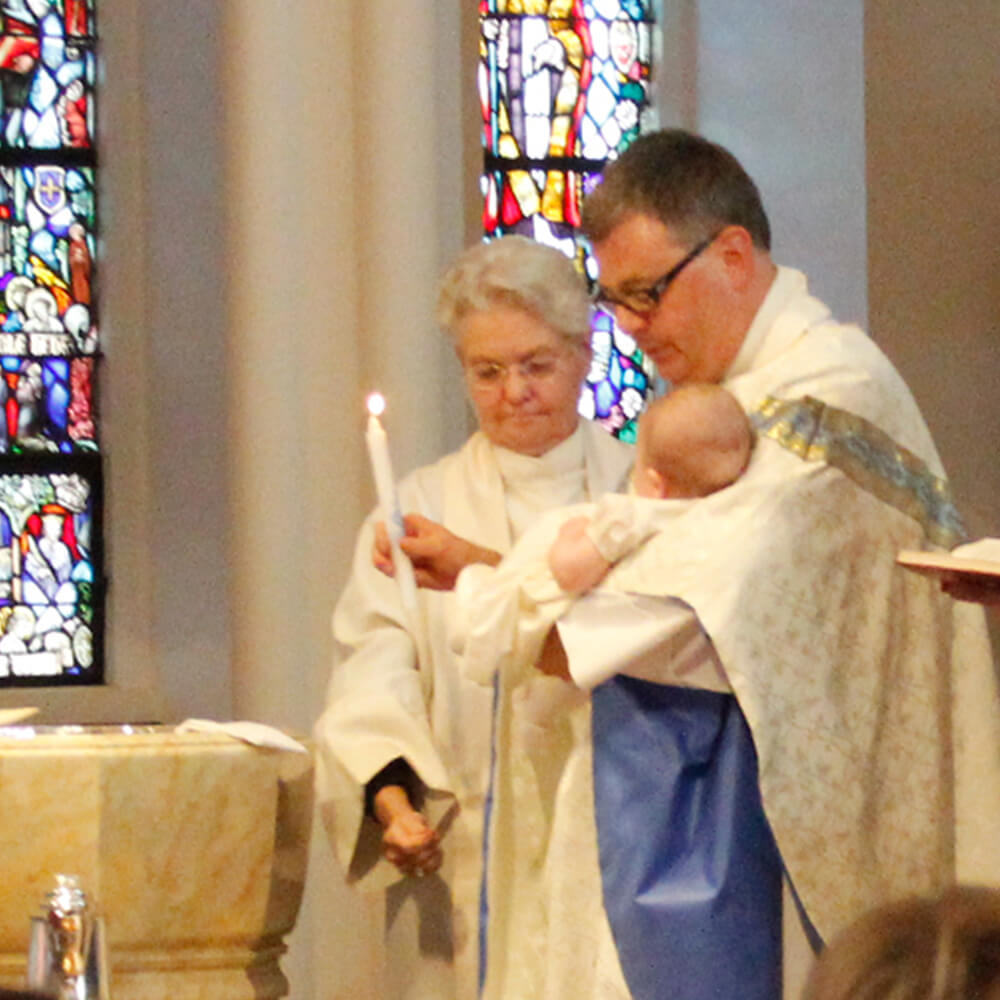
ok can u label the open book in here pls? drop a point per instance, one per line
(976, 560)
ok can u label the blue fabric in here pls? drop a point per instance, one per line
(692, 876)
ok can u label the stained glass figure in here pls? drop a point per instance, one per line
(50, 539)
(564, 87)
(47, 333)
(51, 568)
(47, 74)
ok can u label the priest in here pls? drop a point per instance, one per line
(851, 752)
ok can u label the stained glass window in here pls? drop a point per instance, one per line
(51, 568)
(564, 87)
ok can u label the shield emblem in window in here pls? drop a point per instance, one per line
(50, 189)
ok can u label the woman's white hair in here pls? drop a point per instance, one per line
(519, 272)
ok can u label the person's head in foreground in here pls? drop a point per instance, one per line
(692, 442)
(683, 248)
(942, 948)
(519, 314)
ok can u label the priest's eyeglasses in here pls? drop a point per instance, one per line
(488, 376)
(642, 301)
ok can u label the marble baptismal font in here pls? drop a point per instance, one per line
(192, 845)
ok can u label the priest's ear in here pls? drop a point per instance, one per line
(738, 254)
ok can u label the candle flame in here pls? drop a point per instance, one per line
(376, 404)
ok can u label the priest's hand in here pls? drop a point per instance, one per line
(408, 840)
(438, 555)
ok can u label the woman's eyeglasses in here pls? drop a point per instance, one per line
(490, 375)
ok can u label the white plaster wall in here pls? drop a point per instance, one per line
(189, 371)
(933, 120)
(781, 84)
(340, 215)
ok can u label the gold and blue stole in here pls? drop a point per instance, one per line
(818, 432)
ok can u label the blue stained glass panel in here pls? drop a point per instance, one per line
(47, 242)
(51, 592)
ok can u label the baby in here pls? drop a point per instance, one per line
(692, 443)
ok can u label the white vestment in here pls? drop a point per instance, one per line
(396, 692)
(871, 696)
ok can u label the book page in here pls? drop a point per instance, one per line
(940, 563)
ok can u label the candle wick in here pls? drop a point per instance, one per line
(376, 404)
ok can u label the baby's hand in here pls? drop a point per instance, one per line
(575, 561)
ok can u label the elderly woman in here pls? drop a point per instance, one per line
(404, 739)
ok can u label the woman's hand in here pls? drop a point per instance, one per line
(408, 840)
(438, 555)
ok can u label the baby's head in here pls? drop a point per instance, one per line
(692, 442)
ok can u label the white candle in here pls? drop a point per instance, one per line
(385, 487)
